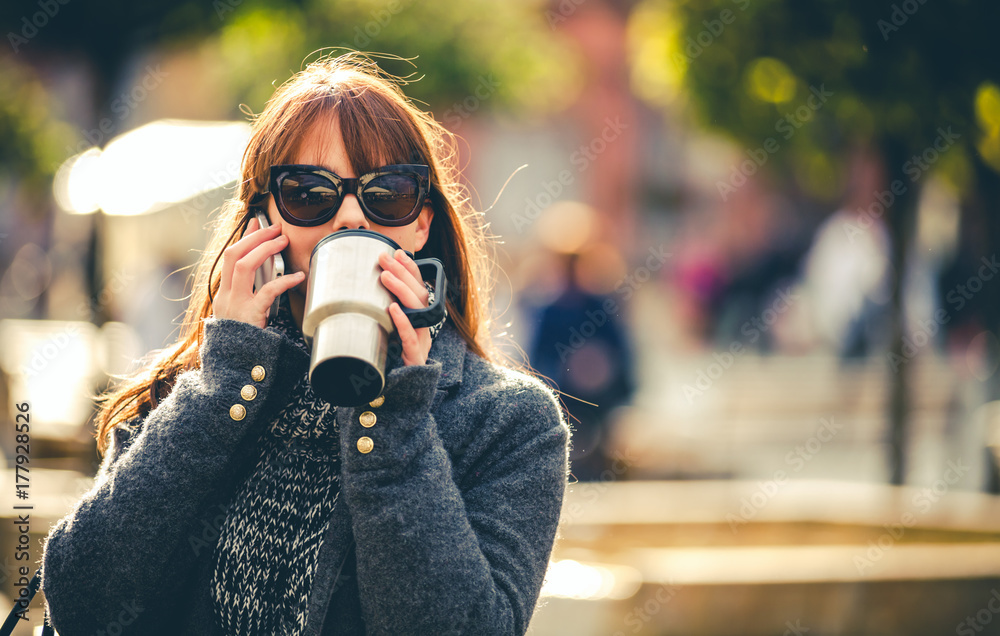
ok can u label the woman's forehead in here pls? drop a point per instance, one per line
(323, 145)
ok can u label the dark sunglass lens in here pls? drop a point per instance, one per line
(308, 197)
(392, 196)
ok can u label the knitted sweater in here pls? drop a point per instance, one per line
(452, 512)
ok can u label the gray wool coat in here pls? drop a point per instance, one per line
(452, 515)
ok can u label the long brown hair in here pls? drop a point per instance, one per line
(378, 123)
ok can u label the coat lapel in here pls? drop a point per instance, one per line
(449, 349)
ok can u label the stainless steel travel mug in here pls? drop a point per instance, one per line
(347, 320)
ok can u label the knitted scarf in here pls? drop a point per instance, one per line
(266, 555)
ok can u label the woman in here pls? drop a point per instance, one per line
(232, 500)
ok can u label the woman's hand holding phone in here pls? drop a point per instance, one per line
(236, 298)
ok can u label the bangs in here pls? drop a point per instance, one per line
(376, 131)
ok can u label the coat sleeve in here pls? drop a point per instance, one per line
(440, 556)
(127, 538)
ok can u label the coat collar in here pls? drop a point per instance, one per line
(449, 349)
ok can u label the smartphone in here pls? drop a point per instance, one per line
(272, 268)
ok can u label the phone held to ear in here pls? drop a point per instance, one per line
(272, 268)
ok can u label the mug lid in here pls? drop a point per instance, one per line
(358, 232)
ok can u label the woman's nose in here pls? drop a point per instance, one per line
(350, 216)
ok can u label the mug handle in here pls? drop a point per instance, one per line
(432, 315)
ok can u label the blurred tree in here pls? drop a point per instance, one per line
(467, 56)
(798, 84)
(33, 137)
(103, 34)
(474, 54)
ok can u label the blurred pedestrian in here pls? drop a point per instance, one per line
(580, 343)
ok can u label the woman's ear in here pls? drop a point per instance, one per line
(422, 231)
(256, 204)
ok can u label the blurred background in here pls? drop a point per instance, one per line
(755, 247)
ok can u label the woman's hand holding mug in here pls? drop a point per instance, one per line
(402, 278)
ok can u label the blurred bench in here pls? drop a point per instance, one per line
(667, 557)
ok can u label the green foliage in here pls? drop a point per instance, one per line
(35, 139)
(897, 73)
(465, 57)
(505, 50)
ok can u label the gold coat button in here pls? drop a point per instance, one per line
(377, 402)
(237, 412)
(257, 373)
(248, 392)
(365, 444)
(367, 419)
